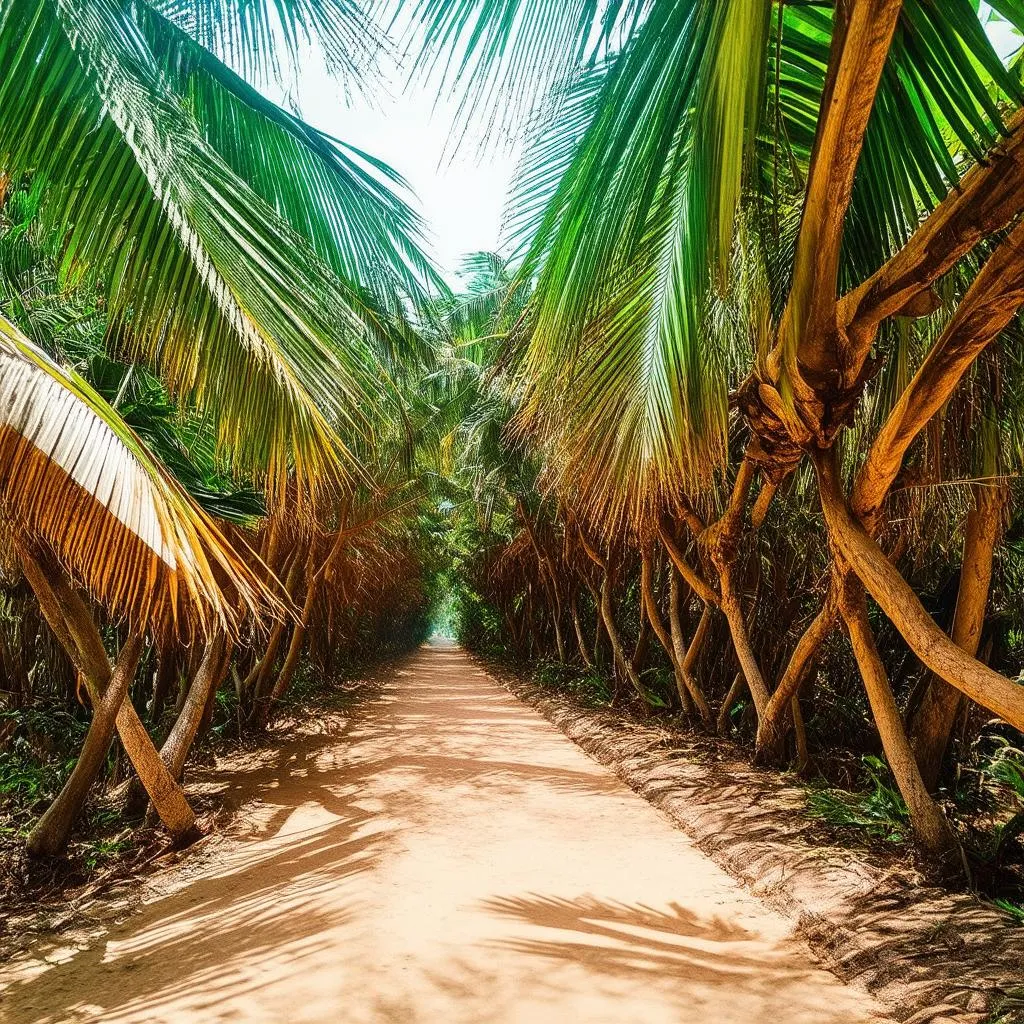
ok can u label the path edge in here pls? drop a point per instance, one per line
(952, 964)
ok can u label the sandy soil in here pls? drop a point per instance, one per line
(444, 855)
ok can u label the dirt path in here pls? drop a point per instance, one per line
(448, 857)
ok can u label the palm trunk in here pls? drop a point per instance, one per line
(208, 676)
(722, 724)
(51, 833)
(166, 674)
(291, 661)
(773, 726)
(547, 574)
(73, 625)
(690, 695)
(937, 712)
(926, 817)
(580, 639)
(608, 617)
(904, 609)
(721, 540)
(257, 681)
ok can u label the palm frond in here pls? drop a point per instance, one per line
(74, 476)
(204, 278)
(251, 34)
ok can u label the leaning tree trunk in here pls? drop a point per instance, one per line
(606, 609)
(690, 695)
(580, 639)
(73, 625)
(547, 574)
(208, 676)
(166, 674)
(933, 723)
(733, 695)
(51, 833)
(256, 682)
(902, 606)
(773, 726)
(926, 817)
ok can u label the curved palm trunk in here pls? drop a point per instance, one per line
(773, 726)
(608, 617)
(926, 817)
(721, 541)
(598, 621)
(580, 639)
(605, 605)
(291, 661)
(73, 625)
(690, 695)
(934, 720)
(208, 676)
(697, 643)
(897, 599)
(722, 723)
(257, 681)
(548, 575)
(51, 833)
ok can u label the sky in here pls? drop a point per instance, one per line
(460, 198)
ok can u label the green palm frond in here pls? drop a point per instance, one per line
(204, 275)
(348, 204)
(251, 34)
(639, 230)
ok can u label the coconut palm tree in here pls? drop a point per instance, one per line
(262, 268)
(727, 209)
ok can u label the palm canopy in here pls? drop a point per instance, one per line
(267, 39)
(255, 262)
(659, 204)
(76, 479)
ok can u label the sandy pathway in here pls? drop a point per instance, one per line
(450, 857)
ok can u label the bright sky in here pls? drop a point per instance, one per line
(461, 199)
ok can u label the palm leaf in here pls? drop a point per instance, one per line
(637, 230)
(204, 278)
(251, 34)
(73, 476)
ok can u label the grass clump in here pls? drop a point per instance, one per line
(877, 811)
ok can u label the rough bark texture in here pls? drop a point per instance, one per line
(860, 45)
(208, 676)
(926, 817)
(683, 658)
(990, 303)
(899, 602)
(773, 726)
(74, 627)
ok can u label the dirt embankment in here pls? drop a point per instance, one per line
(932, 955)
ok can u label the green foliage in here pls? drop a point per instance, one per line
(1015, 910)
(879, 811)
(588, 687)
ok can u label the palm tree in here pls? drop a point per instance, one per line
(726, 209)
(262, 268)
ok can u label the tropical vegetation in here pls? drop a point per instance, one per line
(730, 431)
